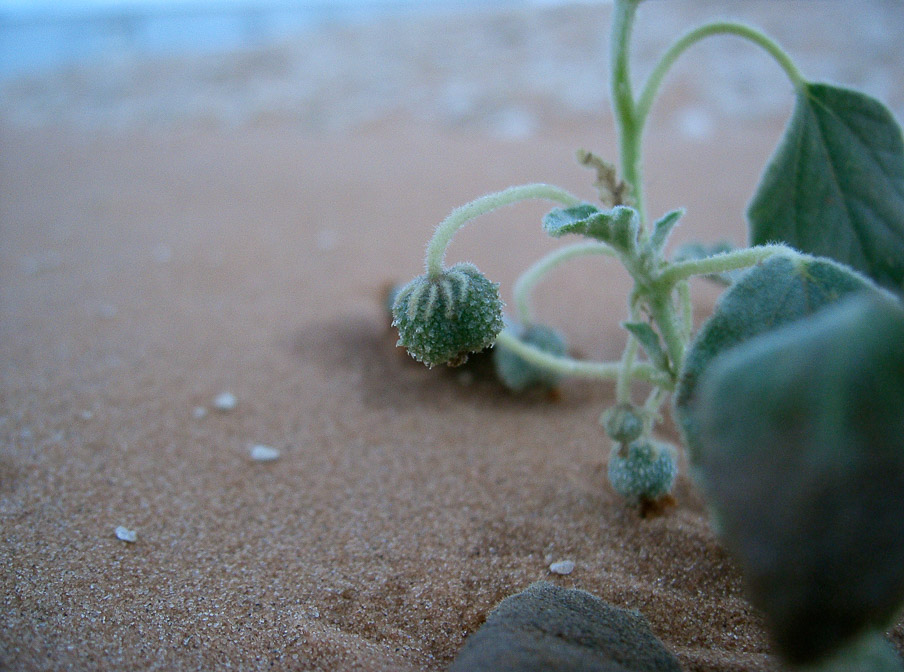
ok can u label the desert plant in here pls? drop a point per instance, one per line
(790, 398)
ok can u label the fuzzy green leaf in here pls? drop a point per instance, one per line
(776, 292)
(618, 227)
(801, 457)
(663, 227)
(649, 341)
(835, 186)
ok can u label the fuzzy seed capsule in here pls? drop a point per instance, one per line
(623, 423)
(643, 469)
(442, 320)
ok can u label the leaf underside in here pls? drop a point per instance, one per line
(835, 186)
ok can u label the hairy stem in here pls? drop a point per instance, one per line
(629, 355)
(529, 279)
(436, 248)
(718, 263)
(663, 313)
(630, 125)
(567, 366)
(651, 88)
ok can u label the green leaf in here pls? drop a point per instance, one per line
(835, 186)
(649, 341)
(618, 227)
(663, 227)
(873, 653)
(776, 292)
(801, 458)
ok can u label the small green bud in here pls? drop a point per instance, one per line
(623, 423)
(518, 374)
(642, 470)
(443, 319)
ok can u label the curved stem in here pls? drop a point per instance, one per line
(654, 81)
(526, 282)
(630, 124)
(436, 248)
(719, 263)
(652, 407)
(567, 366)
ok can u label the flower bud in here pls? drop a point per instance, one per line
(443, 319)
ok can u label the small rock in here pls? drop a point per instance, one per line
(551, 629)
(127, 535)
(261, 453)
(225, 401)
(562, 567)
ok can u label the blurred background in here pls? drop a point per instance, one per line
(501, 67)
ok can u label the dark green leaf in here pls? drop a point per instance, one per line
(873, 653)
(835, 186)
(776, 292)
(801, 457)
(618, 227)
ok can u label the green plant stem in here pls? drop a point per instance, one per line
(567, 366)
(629, 355)
(436, 248)
(630, 125)
(651, 407)
(718, 263)
(663, 313)
(687, 310)
(654, 81)
(526, 282)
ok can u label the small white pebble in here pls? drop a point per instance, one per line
(125, 534)
(562, 567)
(260, 453)
(225, 401)
(198, 412)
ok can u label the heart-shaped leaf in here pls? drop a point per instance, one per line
(835, 186)
(778, 291)
(801, 457)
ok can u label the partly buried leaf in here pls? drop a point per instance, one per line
(618, 227)
(780, 290)
(801, 457)
(835, 186)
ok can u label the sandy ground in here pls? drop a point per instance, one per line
(144, 272)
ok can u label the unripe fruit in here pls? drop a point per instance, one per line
(623, 423)
(443, 319)
(642, 470)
